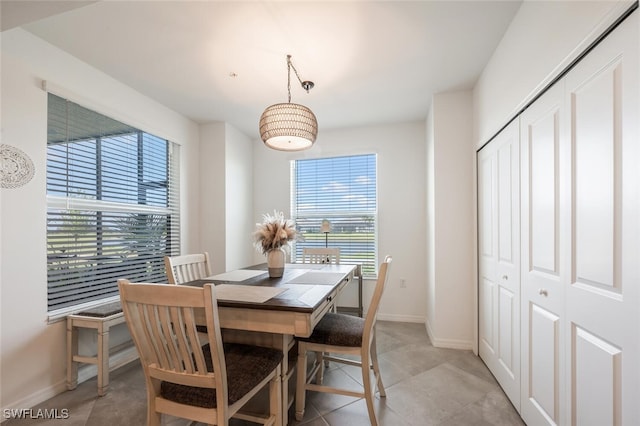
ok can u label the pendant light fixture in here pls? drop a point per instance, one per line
(288, 126)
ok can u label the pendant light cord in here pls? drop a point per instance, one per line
(289, 76)
(306, 85)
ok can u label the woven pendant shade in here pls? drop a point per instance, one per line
(288, 127)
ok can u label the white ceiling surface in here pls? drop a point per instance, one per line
(371, 62)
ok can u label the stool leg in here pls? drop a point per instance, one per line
(103, 360)
(72, 350)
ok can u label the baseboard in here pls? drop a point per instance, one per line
(122, 355)
(400, 318)
(35, 398)
(447, 343)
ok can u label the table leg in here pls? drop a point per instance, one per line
(284, 342)
(287, 345)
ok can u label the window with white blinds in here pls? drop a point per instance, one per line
(112, 204)
(341, 190)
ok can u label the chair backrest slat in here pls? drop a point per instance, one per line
(169, 346)
(154, 325)
(162, 322)
(321, 255)
(188, 267)
(192, 336)
(181, 347)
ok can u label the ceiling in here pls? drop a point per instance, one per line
(372, 62)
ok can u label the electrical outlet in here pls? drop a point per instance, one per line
(403, 283)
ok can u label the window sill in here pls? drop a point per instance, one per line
(61, 314)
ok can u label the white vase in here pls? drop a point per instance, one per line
(275, 262)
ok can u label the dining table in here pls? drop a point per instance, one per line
(257, 309)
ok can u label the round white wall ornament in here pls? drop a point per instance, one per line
(16, 168)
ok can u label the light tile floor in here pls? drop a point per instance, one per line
(425, 386)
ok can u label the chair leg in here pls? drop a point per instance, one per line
(376, 367)
(320, 372)
(301, 380)
(369, 392)
(153, 417)
(275, 397)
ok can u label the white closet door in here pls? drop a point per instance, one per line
(603, 288)
(499, 259)
(544, 203)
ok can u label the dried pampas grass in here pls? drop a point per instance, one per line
(274, 232)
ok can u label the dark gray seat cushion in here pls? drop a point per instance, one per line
(103, 311)
(246, 367)
(337, 330)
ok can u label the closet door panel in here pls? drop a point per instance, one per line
(499, 257)
(543, 200)
(603, 291)
(544, 339)
(487, 172)
(508, 262)
(486, 325)
(594, 155)
(600, 362)
(543, 195)
(507, 155)
(508, 310)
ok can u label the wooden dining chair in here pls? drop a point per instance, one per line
(208, 383)
(189, 267)
(321, 255)
(337, 336)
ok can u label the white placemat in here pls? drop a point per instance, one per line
(247, 293)
(305, 265)
(237, 275)
(317, 278)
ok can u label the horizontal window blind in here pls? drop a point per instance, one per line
(112, 195)
(343, 191)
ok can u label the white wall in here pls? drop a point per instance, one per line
(401, 202)
(239, 199)
(451, 217)
(226, 196)
(542, 40)
(32, 352)
(430, 166)
(212, 223)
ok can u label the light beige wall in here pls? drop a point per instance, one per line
(32, 352)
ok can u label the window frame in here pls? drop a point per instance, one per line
(296, 249)
(66, 202)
